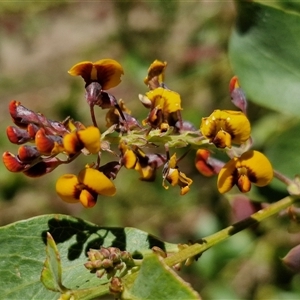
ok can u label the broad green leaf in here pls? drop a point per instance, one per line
(164, 284)
(23, 253)
(51, 274)
(264, 53)
(282, 150)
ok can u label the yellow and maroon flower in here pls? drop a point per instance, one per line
(85, 187)
(175, 177)
(169, 101)
(226, 127)
(165, 107)
(88, 138)
(145, 164)
(106, 72)
(251, 167)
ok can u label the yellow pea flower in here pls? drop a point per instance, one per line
(107, 72)
(251, 167)
(224, 127)
(168, 101)
(85, 187)
(88, 138)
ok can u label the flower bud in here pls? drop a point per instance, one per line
(12, 163)
(17, 135)
(28, 154)
(116, 286)
(292, 259)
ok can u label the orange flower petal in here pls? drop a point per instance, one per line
(32, 130)
(43, 143)
(233, 84)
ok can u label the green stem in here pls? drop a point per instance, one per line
(222, 235)
(156, 138)
(86, 294)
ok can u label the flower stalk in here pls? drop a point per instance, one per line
(231, 230)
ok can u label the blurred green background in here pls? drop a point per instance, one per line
(40, 41)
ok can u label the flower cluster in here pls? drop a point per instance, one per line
(131, 142)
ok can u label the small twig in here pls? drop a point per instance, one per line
(282, 178)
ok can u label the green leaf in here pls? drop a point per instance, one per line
(164, 284)
(264, 53)
(51, 274)
(282, 151)
(23, 254)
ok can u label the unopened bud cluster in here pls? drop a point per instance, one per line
(108, 261)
